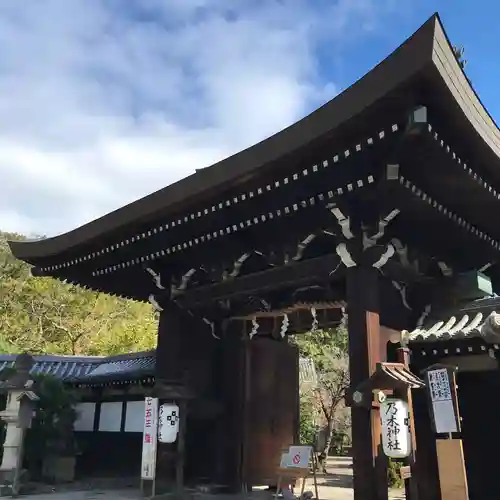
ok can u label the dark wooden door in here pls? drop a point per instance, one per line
(271, 407)
(480, 411)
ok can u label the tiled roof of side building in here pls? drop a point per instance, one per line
(143, 364)
(89, 368)
(96, 369)
(124, 366)
(63, 367)
(477, 319)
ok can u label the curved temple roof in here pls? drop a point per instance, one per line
(427, 54)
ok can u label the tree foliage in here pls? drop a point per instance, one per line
(308, 427)
(52, 427)
(325, 401)
(44, 315)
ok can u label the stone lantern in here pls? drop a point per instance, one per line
(17, 416)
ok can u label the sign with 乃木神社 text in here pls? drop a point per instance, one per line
(149, 439)
(396, 437)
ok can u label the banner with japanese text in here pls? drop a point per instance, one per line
(149, 439)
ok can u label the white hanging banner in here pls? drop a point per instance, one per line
(396, 436)
(168, 423)
(149, 439)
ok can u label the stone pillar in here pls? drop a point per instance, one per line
(14, 434)
(17, 415)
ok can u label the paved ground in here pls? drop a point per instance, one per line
(336, 485)
(86, 495)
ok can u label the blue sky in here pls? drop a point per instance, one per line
(471, 24)
(105, 101)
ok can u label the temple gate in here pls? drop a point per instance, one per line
(380, 201)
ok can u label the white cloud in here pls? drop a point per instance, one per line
(104, 101)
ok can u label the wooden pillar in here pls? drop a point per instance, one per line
(232, 395)
(411, 484)
(219, 450)
(169, 353)
(426, 457)
(171, 364)
(369, 463)
(181, 447)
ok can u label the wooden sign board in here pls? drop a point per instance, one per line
(296, 460)
(294, 464)
(452, 474)
(405, 472)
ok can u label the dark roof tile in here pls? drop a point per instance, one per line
(63, 367)
(131, 366)
(95, 369)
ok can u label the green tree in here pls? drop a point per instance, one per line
(308, 428)
(44, 315)
(328, 350)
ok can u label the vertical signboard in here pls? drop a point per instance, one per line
(441, 395)
(149, 439)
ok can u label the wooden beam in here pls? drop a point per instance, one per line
(296, 274)
(299, 322)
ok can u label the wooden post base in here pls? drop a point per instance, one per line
(451, 466)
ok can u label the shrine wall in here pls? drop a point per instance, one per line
(108, 432)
